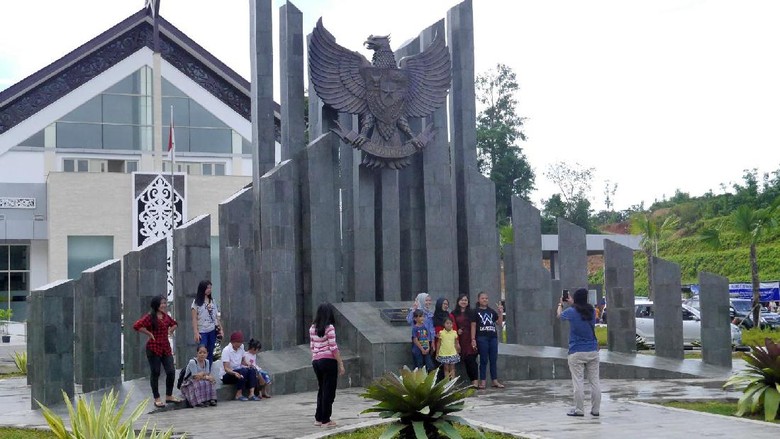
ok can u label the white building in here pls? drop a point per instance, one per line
(73, 134)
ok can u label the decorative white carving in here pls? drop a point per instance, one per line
(155, 218)
(17, 203)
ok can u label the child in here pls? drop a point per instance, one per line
(250, 360)
(422, 342)
(449, 348)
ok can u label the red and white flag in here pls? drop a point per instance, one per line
(171, 140)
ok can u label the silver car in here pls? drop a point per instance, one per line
(645, 325)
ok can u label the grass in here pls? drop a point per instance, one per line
(25, 433)
(724, 408)
(376, 431)
(14, 374)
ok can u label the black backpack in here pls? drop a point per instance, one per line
(182, 377)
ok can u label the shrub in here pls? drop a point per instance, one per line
(760, 381)
(20, 360)
(422, 405)
(87, 422)
(756, 337)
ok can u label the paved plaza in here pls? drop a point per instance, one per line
(533, 409)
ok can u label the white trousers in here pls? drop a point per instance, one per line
(585, 365)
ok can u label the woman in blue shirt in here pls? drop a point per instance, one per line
(583, 350)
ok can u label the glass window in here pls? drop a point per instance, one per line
(131, 166)
(121, 137)
(79, 135)
(246, 146)
(207, 169)
(68, 165)
(169, 89)
(181, 112)
(87, 251)
(219, 169)
(90, 111)
(121, 109)
(133, 84)
(36, 139)
(19, 282)
(3, 257)
(19, 257)
(200, 117)
(82, 165)
(209, 140)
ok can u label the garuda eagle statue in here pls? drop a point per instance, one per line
(385, 94)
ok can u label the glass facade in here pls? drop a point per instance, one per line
(121, 118)
(15, 279)
(86, 252)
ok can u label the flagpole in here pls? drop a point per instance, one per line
(172, 157)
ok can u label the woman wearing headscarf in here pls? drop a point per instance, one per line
(440, 313)
(583, 350)
(424, 302)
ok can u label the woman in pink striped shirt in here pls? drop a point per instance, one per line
(326, 361)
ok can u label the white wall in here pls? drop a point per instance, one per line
(22, 166)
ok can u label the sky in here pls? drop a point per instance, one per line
(655, 95)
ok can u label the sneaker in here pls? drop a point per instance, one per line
(213, 402)
(594, 414)
(573, 412)
(255, 398)
(242, 398)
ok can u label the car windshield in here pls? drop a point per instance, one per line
(741, 305)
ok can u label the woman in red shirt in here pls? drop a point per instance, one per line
(464, 317)
(158, 325)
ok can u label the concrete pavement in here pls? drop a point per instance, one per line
(533, 409)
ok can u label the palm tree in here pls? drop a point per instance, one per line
(653, 231)
(749, 225)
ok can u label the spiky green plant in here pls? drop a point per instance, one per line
(105, 422)
(760, 381)
(422, 405)
(20, 360)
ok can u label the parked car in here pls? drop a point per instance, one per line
(645, 325)
(741, 309)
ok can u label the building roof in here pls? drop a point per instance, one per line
(35, 92)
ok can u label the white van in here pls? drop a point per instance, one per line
(645, 326)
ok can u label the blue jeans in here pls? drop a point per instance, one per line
(421, 359)
(209, 339)
(488, 351)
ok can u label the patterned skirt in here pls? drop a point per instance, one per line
(449, 359)
(198, 391)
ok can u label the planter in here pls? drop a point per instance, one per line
(6, 339)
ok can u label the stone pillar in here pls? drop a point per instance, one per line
(144, 277)
(349, 162)
(573, 274)
(619, 288)
(98, 295)
(510, 286)
(239, 301)
(192, 264)
(715, 321)
(530, 317)
(320, 231)
(478, 266)
(291, 78)
(667, 305)
(262, 89)
(50, 344)
(441, 252)
(388, 226)
(281, 295)
(365, 238)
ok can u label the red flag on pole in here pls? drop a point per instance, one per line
(171, 141)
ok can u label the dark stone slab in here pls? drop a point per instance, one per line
(619, 287)
(573, 255)
(192, 264)
(144, 276)
(50, 343)
(291, 78)
(715, 320)
(667, 305)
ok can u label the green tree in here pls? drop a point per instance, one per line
(571, 203)
(499, 129)
(653, 230)
(749, 225)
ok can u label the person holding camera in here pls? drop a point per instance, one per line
(583, 349)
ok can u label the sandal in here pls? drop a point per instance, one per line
(173, 400)
(159, 404)
(499, 386)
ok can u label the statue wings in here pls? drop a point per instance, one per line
(335, 72)
(336, 75)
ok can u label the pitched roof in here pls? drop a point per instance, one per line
(35, 92)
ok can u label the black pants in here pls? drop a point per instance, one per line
(327, 371)
(247, 381)
(170, 373)
(470, 363)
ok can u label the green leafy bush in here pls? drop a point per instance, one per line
(20, 360)
(756, 337)
(105, 422)
(422, 405)
(760, 381)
